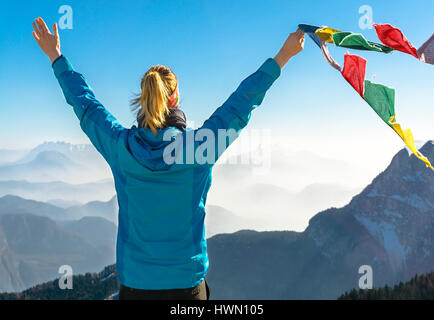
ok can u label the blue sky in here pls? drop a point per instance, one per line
(212, 46)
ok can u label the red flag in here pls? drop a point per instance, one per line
(394, 38)
(354, 72)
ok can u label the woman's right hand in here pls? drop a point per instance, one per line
(292, 46)
(48, 42)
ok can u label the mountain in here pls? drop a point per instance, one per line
(420, 287)
(15, 205)
(108, 209)
(77, 152)
(59, 191)
(9, 265)
(10, 204)
(89, 286)
(64, 203)
(34, 247)
(98, 231)
(389, 226)
(8, 155)
(54, 161)
(321, 196)
(285, 209)
(219, 220)
(46, 166)
(397, 209)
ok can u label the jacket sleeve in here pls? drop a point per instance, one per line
(97, 123)
(235, 113)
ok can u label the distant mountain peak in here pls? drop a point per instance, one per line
(428, 149)
(63, 147)
(51, 156)
(405, 177)
(407, 164)
(63, 143)
(11, 197)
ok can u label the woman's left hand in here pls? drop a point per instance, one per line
(48, 42)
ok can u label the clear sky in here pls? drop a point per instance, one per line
(212, 46)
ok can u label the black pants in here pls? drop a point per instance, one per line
(200, 292)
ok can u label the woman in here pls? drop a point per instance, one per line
(162, 171)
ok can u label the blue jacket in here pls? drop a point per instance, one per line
(161, 187)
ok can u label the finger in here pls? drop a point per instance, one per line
(40, 28)
(43, 26)
(55, 30)
(35, 28)
(35, 36)
(299, 35)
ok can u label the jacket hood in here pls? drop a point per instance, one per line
(148, 148)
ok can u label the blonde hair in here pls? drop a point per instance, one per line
(157, 85)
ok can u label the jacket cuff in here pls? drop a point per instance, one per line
(61, 65)
(271, 67)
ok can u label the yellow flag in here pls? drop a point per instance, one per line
(325, 33)
(407, 137)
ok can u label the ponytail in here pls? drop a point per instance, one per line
(157, 85)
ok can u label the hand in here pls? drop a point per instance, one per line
(292, 46)
(48, 42)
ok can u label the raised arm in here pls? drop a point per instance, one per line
(99, 125)
(235, 113)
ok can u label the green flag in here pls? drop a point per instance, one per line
(381, 99)
(357, 41)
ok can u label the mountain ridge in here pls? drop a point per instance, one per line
(389, 225)
(32, 248)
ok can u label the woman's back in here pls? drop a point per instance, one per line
(161, 238)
